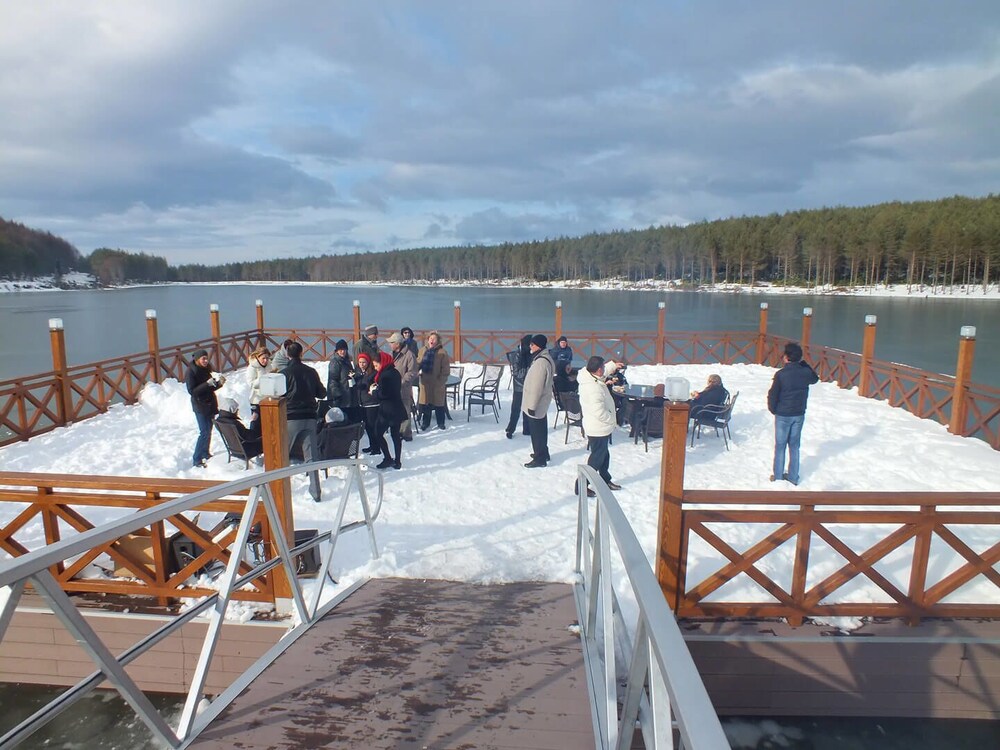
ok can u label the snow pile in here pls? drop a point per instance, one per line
(463, 507)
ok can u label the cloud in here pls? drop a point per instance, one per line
(251, 131)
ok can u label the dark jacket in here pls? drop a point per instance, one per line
(561, 356)
(302, 387)
(520, 360)
(790, 389)
(713, 395)
(202, 389)
(338, 381)
(390, 402)
(563, 383)
(367, 347)
(362, 385)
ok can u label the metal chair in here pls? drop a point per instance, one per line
(237, 446)
(717, 417)
(451, 389)
(559, 407)
(574, 412)
(487, 393)
(652, 423)
(473, 382)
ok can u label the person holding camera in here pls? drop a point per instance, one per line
(202, 385)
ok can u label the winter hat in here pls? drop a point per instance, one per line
(334, 416)
(364, 355)
(228, 404)
(395, 339)
(370, 330)
(340, 345)
(562, 338)
(539, 340)
(199, 354)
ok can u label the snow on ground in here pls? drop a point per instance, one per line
(464, 507)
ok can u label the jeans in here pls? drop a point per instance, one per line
(787, 432)
(305, 429)
(204, 442)
(600, 457)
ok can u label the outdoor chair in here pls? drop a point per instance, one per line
(487, 393)
(559, 407)
(455, 378)
(473, 382)
(236, 446)
(651, 424)
(340, 441)
(717, 417)
(573, 411)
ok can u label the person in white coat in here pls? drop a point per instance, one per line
(598, 419)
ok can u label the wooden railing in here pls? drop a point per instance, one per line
(33, 405)
(62, 503)
(914, 523)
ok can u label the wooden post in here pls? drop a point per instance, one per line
(761, 333)
(274, 431)
(457, 348)
(153, 343)
(213, 311)
(661, 325)
(260, 322)
(963, 372)
(357, 320)
(670, 534)
(57, 340)
(807, 319)
(867, 354)
(558, 320)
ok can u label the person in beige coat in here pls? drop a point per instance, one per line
(598, 419)
(536, 398)
(434, 365)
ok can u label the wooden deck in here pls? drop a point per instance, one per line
(424, 664)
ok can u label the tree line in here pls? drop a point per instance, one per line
(936, 243)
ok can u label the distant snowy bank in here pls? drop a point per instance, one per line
(909, 291)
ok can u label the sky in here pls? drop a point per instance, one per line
(226, 131)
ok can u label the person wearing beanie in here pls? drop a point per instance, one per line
(364, 378)
(536, 398)
(562, 354)
(202, 386)
(302, 387)
(391, 412)
(520, 360)
(367, 344)
(339, 377)
(408, 340)
(405, 362)
(435, 365)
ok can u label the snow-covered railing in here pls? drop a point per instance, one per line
(662, 690)
(35, 568)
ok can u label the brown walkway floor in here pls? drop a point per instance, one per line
(424, 664)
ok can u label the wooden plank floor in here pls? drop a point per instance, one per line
(424, 664)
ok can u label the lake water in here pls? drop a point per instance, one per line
(101, 324)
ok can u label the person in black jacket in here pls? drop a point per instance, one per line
(391, 411)
(202, 387)
(364, 378)
(786, 400)
(302, 387)
(713, 394)
(520, 360)
(338, 381)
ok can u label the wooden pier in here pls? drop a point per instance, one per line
(424, 664)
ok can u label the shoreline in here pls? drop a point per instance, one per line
(82, 282)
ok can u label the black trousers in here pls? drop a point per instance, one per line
(397, 439)
(516, 414)
(539, 430)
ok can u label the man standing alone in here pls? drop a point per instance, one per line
(598, 419)
(536, 398)
(302, 387)
(787, 402)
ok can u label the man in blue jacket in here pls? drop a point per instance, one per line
(786, 400)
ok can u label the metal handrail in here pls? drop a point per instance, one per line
(34, 567)
(663, 690)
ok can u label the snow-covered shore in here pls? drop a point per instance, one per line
(905, 291)
(463, 507)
